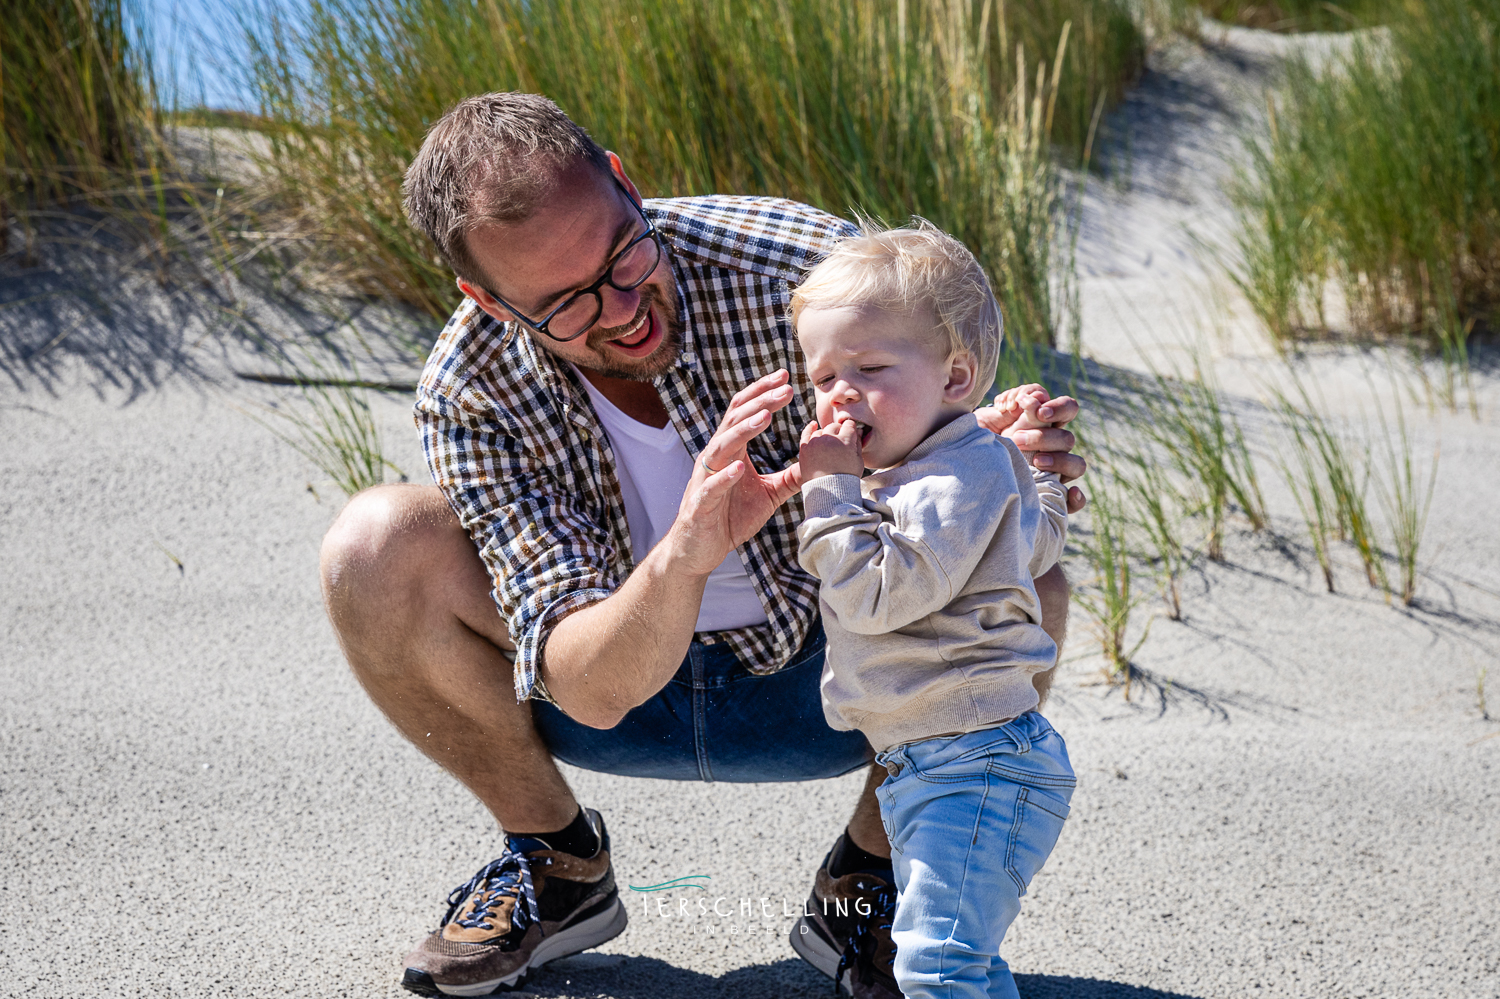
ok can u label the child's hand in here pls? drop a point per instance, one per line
(1018, 407)
(830, 450)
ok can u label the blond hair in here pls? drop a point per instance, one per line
(902, 270)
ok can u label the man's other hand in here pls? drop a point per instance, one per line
(728, 500)
(1036, 422)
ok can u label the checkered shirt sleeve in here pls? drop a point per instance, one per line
(512, 440)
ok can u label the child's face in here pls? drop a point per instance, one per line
(882, 370)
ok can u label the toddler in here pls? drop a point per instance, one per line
(926, 565)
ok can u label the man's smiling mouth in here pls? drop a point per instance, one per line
(636, 334)
(640, 338)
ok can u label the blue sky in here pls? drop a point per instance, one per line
(198, 49)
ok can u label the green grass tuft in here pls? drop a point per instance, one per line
(1380, 178)
(74, 90)
(1405, 500)
(1110, 596)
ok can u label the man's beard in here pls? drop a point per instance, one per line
(663, 357)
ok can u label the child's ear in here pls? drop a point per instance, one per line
(963, 372)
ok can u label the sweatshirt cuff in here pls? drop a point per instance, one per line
(823, 496)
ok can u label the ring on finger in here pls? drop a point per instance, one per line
(709, 468)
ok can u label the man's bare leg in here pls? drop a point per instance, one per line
(1052, 591)
(865, 827)
(410, 601)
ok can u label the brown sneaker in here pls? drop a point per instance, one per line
(845, 933)
(530, 906)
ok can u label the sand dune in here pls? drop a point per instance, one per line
(1300, 799)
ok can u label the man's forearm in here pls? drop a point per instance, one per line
(608, 658)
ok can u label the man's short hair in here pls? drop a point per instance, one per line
(490, 159)
(902, 270)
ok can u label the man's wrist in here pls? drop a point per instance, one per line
(678, 556)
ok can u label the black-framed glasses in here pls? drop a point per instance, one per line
(627, 271)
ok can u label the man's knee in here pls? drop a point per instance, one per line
(375, 556)
(1052, 592)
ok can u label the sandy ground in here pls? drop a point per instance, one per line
(1300, 799)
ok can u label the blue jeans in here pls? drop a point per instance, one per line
(971, 819)
(716, 720)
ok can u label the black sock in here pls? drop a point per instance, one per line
(848, 857)
(577, 837)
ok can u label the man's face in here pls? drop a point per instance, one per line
(565, 246)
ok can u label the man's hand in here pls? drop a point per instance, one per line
(830, 450)
(1035, 421)
(728, 499)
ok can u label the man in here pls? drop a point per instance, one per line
(611, 419)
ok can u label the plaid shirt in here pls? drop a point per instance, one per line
(513, 441)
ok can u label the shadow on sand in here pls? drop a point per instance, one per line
(650, 978)
(90, 310)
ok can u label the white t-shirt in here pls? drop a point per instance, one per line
(653, 466)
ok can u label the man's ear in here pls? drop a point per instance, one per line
(618, 169)
(963, 372)
(484, 300)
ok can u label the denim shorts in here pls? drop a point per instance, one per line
(715, 720)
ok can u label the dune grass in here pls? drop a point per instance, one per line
(75, 89)
(1184, 414)
(1398, 207)
(86, 154)
(1306, 480)
(1330, 480)
(1332, 477)
(331, 423)
(1109, 596)
(1405, 498)
(75, 92)
(1156, 508)
(943, 108)
(336, 431)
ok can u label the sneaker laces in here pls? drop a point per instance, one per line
(859, 949)
(508, 876)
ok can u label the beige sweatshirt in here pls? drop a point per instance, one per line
(932, 619)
